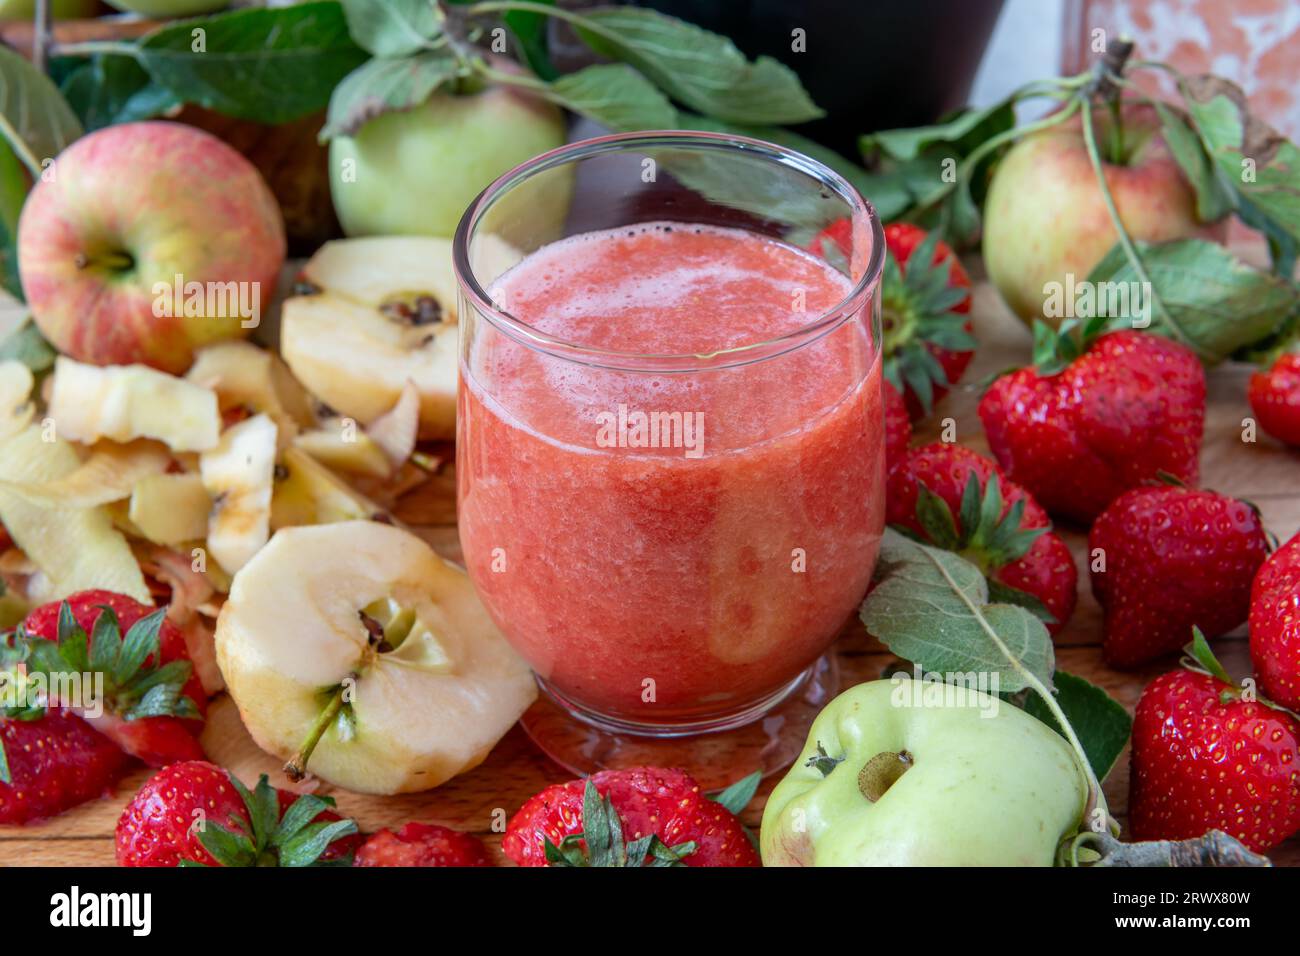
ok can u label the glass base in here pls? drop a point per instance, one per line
(767, 737)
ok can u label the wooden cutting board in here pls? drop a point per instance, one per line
(1264, 472)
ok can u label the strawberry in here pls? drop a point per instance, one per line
(955, 499)
(898, 426)
(1275, 398)
(1174, 558)
(1205, 757)
(154, 702)
(661, 812)
(927, 340)
(1087, 425)
(54, 762)
(422, 844)
(195, 813)
(1275, 625)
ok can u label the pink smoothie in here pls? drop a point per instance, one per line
(670, 547)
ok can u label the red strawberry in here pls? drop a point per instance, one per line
(927, 337)
(422, 844)
(1129, 407)
(197, 813)
(1275, 625)
(663, 818)
(972, 508)
(1174, 558)
(1275, 398)
(54, 762)
(898, 426)
(154, 701)
(1206, 759)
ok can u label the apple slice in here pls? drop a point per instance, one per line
(239, 474)
(306, 492)
(384, 314)
(251, 378)
(74, 548)
(342, 444)
(125, 402)
(170, 509)
(355, 652)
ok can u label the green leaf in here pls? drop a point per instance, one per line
(5, 776)
(1212, 200)
(1099, 721)
(392, 28)
(140, 643)
(616, 96)
(529, 28)
(383, 86)
(1215, 303)
(37, 120)
(1199, 650)
(105, 641)
(267, 65)
(1257, 167)
(1000, 593)
(932, 608)
(72, 641)
(227, 848)
(737, 796)
(27, 345)
(883, 191)
(700, 69)
(966, 128)
(300, 813)
(115, 89)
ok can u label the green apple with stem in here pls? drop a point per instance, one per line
(1045, 216)
(415, 171)
(903, 773)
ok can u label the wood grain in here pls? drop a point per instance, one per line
(482, 799)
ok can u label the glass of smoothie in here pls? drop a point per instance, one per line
(669, 455)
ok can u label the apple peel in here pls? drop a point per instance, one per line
(109, 474)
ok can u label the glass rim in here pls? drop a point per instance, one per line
(824, 322)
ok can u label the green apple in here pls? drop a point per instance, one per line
(169, 8)
(62, 9)
(415, 172)
(1045, 216)
(146, 241)
(912, 776)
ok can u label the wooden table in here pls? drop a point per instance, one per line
(1264, 472)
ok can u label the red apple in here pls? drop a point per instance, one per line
(1045, 216)
(144, 242)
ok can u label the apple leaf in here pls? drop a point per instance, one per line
(614, 95)
(529, 28)
(114, 89)
(266, 65)
(26, 344)
(382, 85)
(698, 68)
(886, 193)
(1212, 302)
(932, 608)
(1100, 722)
(1257, 166)
(392, 28)
(960, 133)
(1212, 200)
(13, 193)
(35, 119)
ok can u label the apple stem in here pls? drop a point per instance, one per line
(296, 768)
(1215, 848)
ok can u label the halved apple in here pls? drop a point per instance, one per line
(356, 653)
(382, 312)
(125, 402)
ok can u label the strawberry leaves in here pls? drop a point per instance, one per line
(602, 844)
(290, 840)
(135, 685)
